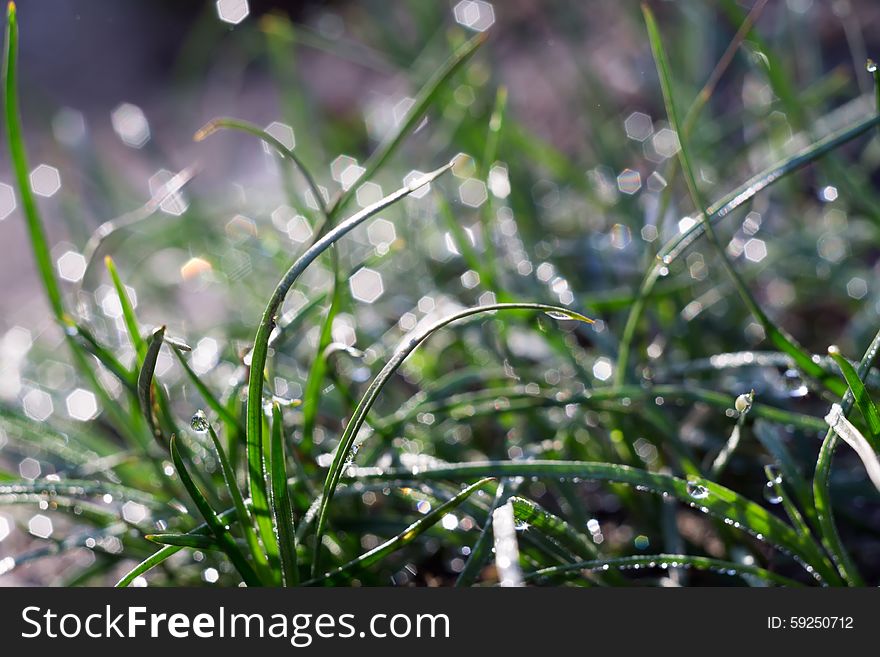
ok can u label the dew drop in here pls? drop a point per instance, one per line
(771, 494)
(199, 422)
(871, 66)
(555, 314)
(697, 491)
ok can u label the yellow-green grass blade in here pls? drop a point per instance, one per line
(282, 512)
(862, 399)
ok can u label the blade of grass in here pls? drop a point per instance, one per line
(194, 541)
(18, 158)
(403, 539)
(244, 517)
(424, 99)
(776, 335)
(145, 383)
(166, 552)
(482, 550)
(217, 526)
(663, 561)
(357, 420)
(699, 493)
(128, 316)
(863, 400)
(282, 513)
(256, 450)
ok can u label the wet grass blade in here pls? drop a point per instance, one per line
(194, 541)
(256, 450)
(533, 515)
(166, 553)
(219, 528)
(244, 517)
(664, 562)
(863, 400)
(282, 513)
(482, 550)
(404, 538)
(210, 398)
(357, 420)
(777, 336)
(709, 497)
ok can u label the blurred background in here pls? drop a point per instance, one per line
(113, 92)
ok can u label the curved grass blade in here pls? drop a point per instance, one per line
(245, 126)
(166, 552)
(853, 437)
(822, 479)
(741, 195)
(145, 383)
(776, 335)
(282, 513)
(699, 493)
(532, 514)
(194, 541)
(422, 102)
(863, 400)
(217, 526)
(406, 537)
(357, 420)
(256, 451)
(664, 561)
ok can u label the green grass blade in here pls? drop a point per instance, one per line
(357, 420)
(256, 450)
(217, 526)
(244, 517)
(404, 538)
(244, 126)
(482, 550)
(663, 561)
(194, 541)
(210, 398)
(166, 552)
(863, 400)
(128, 316)
(556, 528)
(18, 158)
(424, 99)
(699, 493)
(776, 335)
(145, 382)
(282, 513)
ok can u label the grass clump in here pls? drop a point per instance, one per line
(366, 434)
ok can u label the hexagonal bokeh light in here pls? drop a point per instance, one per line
(45, 180)
(283, 133)
(40, 526)
(7, 201)
(366, 285)
(81, 405)
(130, 123)
(71, 266)
(233, 11)
(37, 405)
(474, 14)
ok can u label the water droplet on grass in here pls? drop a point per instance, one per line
(199, 422)
(871, 66)
(771, 494)
(697, 491)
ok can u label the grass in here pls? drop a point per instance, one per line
(641, 391)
